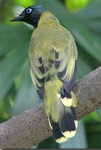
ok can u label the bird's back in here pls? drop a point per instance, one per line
(56, 48)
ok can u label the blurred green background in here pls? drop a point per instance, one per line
(17, 93)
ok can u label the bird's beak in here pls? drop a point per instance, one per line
(18, 18)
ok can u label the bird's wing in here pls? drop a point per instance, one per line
(65, 65)
(37, 74)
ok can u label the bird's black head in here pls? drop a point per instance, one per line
(31, 15)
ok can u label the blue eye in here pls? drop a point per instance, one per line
(29, 10)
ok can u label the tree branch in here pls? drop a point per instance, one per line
(31, 127)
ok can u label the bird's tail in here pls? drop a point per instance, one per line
(66, 125)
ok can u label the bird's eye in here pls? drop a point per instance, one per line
(29, 10)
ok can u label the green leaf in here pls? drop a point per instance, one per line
(9, 68)
(75, 5)
(13, 51)
(82, 72)
(92, 117)
(94, 139)
(12, 37)
(24, 3)
(85, 61)
(92, 19)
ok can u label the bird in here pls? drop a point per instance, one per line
(53, 63)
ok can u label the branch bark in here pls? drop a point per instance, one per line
(31, 127)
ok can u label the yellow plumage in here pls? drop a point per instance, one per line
(47, 37)
(53, 60)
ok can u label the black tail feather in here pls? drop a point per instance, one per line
(74, 113)
(66, 127)
(66, 122)
(58, 136)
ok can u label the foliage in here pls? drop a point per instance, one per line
(76, 5)
(17, 92)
